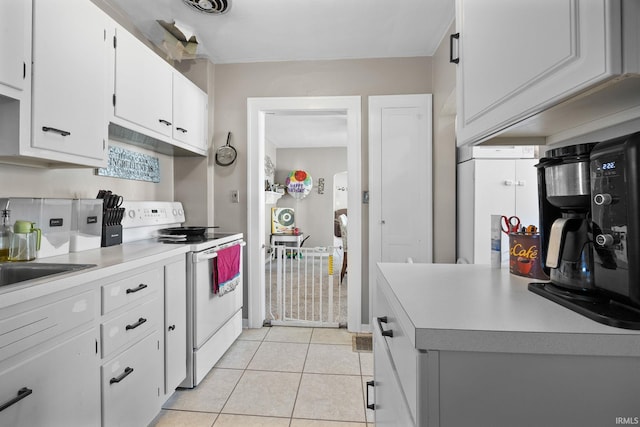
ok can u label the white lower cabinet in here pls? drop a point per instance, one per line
(401, 379)
(59, 387)
(131, 384)
(105, 353)
(175, 325)
(390, 406)
(132, 369)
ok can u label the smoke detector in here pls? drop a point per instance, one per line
(214, 7)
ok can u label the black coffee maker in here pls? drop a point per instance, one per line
(590, 229)
(565, 220)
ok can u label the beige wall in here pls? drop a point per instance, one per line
(234, 83)
(314, 213)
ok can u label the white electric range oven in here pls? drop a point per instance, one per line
(214, 321)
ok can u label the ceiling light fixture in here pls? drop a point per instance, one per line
(214, 7)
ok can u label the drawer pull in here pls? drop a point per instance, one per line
(164, 122)
(135, 325)
(382, 320)
(22, 393)
(122, 376)
(172, 327)
(371, 406)
(60, 131)
(139, 288)
(183, 130)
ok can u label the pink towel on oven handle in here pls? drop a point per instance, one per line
(226, 267)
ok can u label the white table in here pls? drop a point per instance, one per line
(296, 239)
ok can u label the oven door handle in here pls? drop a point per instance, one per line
(206, 256)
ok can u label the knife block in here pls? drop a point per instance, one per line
(111, 235)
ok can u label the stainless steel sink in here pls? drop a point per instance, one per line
(11, 273)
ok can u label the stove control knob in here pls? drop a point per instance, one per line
(605, 239)
(180, 212)
(174, 212)
(132, 213)
(602, 199)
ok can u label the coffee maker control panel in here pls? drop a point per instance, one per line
(614, 188)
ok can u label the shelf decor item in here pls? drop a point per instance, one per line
(283, 220)
(299, 184)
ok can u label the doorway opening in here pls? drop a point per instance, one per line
(259, 112)
(305, 284)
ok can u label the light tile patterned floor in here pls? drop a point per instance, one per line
(279, 376)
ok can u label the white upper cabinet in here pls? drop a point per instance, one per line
(69, 121)
(15, 74)
(518, 59)
(153, 99)
(143, 85)
(189, 113)
(15, 43)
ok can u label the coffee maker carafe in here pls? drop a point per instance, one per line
(565, 220)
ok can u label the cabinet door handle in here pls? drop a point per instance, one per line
(139, 288)
(382, 320)
(508, 182)
(371, 406)
(452, 39)
(164, 122)
(135, 325)
(60, 131)
(22, 393)
(183, 130)
(172, 327)
(125, 374)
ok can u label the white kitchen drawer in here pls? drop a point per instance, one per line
(389, 401)
(59, 387)
(131, 326)
(131, 385)
(122, 292)
(403, 353)
(38, 325)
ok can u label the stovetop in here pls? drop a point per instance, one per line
(145, 220)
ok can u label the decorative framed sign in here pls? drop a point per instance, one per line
(128, 164)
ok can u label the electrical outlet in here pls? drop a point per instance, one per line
(235, 197)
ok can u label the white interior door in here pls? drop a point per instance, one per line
(400, 179)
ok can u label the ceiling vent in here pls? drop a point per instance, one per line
(214, 7)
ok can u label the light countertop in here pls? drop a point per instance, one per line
(108, 262)
(476, 308)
